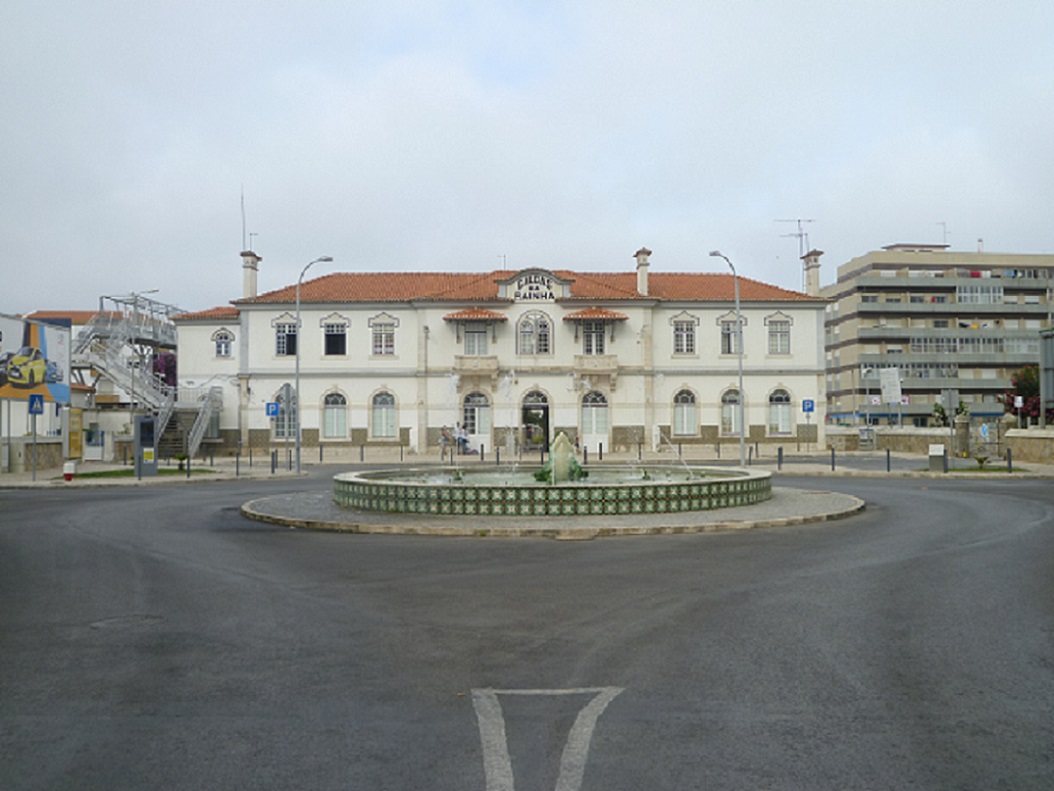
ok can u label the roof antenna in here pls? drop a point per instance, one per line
(243, 217)
(803, 242)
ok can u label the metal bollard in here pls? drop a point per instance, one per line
(779, 458)
(585, 455)
(362, 453)
(640, 451)
(1009, 460)
(237, 464)
(832, 459)
(497, 456)
(600, 451)
(888, 462)
(482, 451)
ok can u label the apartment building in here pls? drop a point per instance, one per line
(942, 319)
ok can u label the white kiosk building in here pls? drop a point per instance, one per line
(513, 357)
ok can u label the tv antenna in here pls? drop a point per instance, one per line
(803, 242)
(944, 231)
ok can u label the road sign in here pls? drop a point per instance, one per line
(272, 409)
(808, 405)
(36, 404)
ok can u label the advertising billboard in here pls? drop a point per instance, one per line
(34, 360)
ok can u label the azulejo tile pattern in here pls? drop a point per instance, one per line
(381, 492)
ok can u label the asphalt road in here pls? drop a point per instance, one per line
(155, 639)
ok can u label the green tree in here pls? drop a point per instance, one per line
(1025, 383)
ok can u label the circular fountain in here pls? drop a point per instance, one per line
(561, 488)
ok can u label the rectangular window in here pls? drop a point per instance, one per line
(223, 346)
(285, 339)
(383, 338)
(336, 340)
(869, 298)
(684, 337)
(475, 341)
(979, 295)
(592, 337)
(728, 338)
(779, 418)
(779, 337)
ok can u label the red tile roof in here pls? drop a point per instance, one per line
(483, 287)
(595, 314)
(76, 317)
(475, 314)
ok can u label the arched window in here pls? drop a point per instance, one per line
(731, 413)
(780, 412)
(534, 334)
(223, 338)
(684, 422)
(383, 415)
(285, 420)
(334, 416)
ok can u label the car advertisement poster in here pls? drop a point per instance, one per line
(34, 360)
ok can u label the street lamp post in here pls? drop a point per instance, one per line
(296, 411)
(739, 355)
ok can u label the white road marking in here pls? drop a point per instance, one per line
(497, 765)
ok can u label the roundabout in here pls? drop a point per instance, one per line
(785, 506)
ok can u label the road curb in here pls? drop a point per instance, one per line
(251, 510)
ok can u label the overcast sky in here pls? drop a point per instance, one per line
(413, 135)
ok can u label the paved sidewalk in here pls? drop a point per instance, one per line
(857, 463)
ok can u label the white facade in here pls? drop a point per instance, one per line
(611, 359)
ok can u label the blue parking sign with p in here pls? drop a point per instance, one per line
(272, 409)
(36, 404)
(808, 405)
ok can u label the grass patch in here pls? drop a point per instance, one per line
(130, 472)
(979, 468)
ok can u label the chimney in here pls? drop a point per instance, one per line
(980, 245)
(642, 270)
(250, 268)
(812, 272)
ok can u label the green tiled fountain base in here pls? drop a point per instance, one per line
(706, 490)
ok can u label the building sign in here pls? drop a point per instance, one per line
(889, 379)
(534, 287)
(34, 360)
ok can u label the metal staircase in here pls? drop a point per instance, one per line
(120, 344)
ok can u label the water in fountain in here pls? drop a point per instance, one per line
(680, 458)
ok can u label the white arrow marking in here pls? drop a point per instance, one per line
(497, 765)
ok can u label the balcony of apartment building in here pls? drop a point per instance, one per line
(944, 279)
(951, 308)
